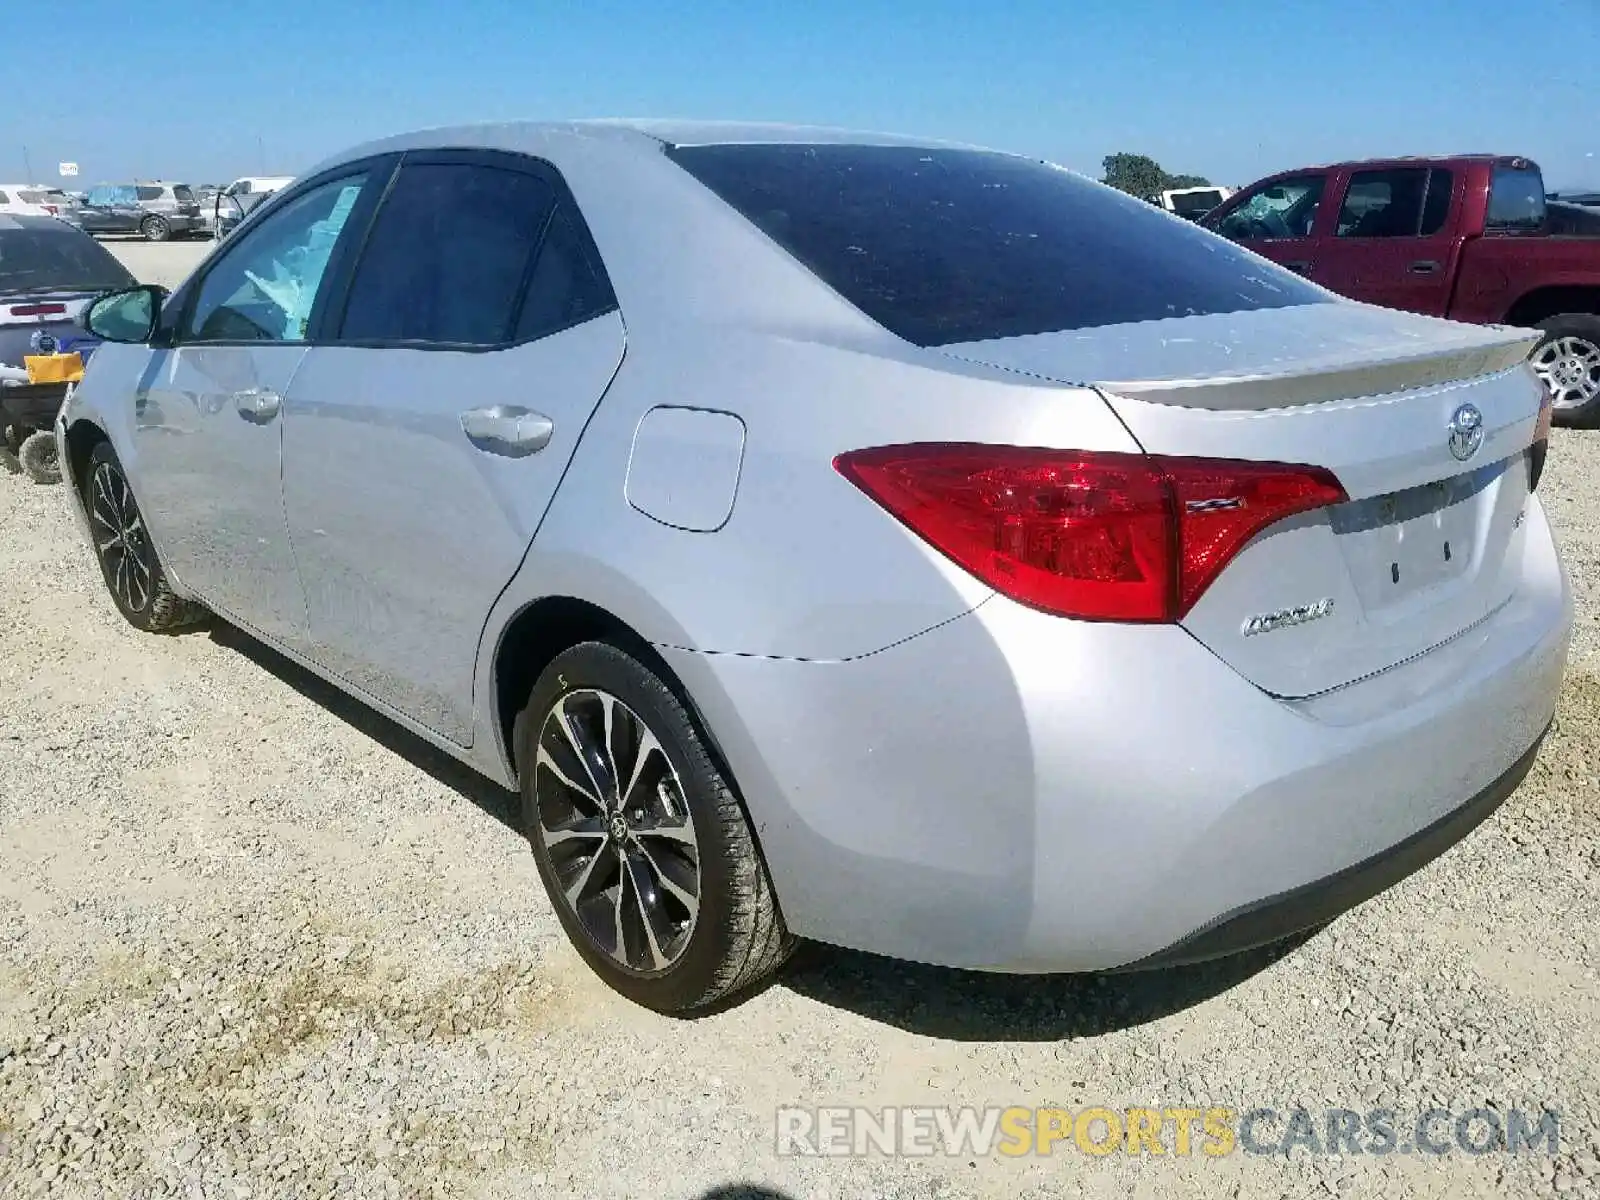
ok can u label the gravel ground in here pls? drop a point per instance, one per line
(256, 942)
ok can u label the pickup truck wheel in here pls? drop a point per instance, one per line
(1568, 361)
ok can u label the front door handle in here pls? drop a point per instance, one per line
(1424, 267)
(1300, 266)
(506, 429)
(258, 405)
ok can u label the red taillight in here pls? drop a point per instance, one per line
(52, 210)
(1100, 536)
(38, 310)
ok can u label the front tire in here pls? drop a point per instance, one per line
(155, 229)
(641, 843)
(1568, 362)
(39, 458)
(128, 561)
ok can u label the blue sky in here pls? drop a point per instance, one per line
(1230, 89)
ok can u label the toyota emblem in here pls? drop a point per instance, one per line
(1466, 432)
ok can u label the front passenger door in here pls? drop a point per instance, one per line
(208, 432)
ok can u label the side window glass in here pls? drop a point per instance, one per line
(447, 256)
(1383, 204)
(263, 289)
(148, 193)
(1436, 209)
(1286, 209)
(565, 288)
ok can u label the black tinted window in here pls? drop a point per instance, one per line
(1436, 209)
(1381, 204)
(1516, 198)
(566, 287)
(447, 256)
(148, 193)
(183, 194)
(36, 257)
(943, 246)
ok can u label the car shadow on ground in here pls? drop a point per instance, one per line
(745, 1191)
(978, 1006)
(502, 805)
(935, 1001)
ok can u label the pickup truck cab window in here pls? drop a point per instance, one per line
(1516, 198)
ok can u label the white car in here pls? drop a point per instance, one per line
(234, 202)
(35, 200)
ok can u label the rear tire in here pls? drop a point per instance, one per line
(1568, 361)
(128, 561)
(629, 815)
(155, 229)
(38, 457)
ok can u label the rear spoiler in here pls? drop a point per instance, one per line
(1309, 384)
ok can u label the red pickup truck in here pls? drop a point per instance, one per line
(1471, 238)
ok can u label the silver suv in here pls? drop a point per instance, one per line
(156, 210)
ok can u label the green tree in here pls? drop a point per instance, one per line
(1140, 175)
(1136, 174)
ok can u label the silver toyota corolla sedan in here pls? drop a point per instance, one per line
(906, 546)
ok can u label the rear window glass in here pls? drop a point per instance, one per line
(943, 246)
(1516, 198)
(51, 255)
(183, 194)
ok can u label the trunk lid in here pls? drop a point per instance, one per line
(1428, 544)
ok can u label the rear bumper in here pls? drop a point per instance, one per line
(1313, 904)
(1011, 791)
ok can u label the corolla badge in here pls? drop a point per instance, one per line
(1300, 614)
(1466, 432)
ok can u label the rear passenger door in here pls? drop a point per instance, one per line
(1394, 240)
(425, 438)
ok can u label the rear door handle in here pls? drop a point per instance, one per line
(1426, 266)
(506, 429)
(1300, 266)
(258, 405)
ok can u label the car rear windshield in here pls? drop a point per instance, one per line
(182, 193)
(52, 255)
(942, 246)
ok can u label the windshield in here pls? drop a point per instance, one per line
(40, 257)
(943, 246)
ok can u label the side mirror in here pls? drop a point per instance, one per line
(127, 316)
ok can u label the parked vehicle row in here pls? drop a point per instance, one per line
(920, 549)
(1471, 238)
(49, 271)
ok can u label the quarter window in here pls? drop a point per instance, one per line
(447, 257)
(566, 287)
(149, 193)
(264, 288)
